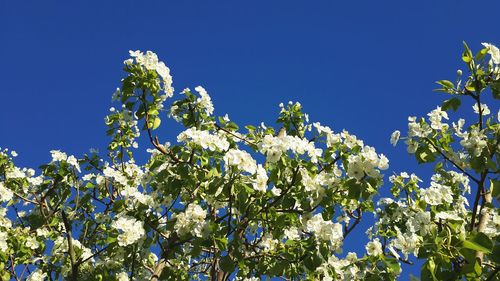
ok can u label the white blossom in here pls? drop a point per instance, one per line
(37, 275)
(192, 220)
(204, 139)
(374, 248)
(205, 102)
(260, 182)
(325, 230)
(122, 276)
(437, 194)
(241, 159)
(58, 156)
(130, 229)
(493, 51)
(5, 193)
(436, 116)
(292, 233)
(32, 243)
(406, 243)
(484, 109)
(395, 137)
(3, 241)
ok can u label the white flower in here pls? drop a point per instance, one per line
(493, 51)
(417, 129)
(435, 117)
(122, 276)
(248, 279)
(32, 243)
(15, 173)
(395, 137)
(275, 146)
(374, 248)
(205, 102)
(5, 193)
(164, 73)
(42, 232)
(191, 220)
(260, 182)
(292, 233)
(475, 141)
(437, 194)
(150, 62)
(268, 242)
(73, 162)
(13, 153)
(3, 241)
(325, 230)
(241, 159)
(383, 163)
(58, 155)
(276, 191)
(419, 222)
(355, 167)
(484, 109)
(130, 228)
(204, 139)
(450, 215)
(407, 243)
(37, 275)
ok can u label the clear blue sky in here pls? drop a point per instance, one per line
(360, 65)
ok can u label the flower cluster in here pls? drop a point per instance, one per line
(58, 156)
(204, 101)
(241, 159)
(192, 220)
(275, 146)
(212, 208)
(131, 230)
(367, 162)
(325, 230)
(204, 139)
(150, 62)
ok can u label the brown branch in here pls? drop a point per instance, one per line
(451, 161)
(162, 263)
(233, 134)
(356, 222)
(92, 256)
(12, 266)
(71, 250)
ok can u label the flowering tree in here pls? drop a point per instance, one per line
(225, 203)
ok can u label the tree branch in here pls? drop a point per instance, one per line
(71, 250)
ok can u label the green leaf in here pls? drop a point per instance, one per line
(312, 261)
(354, 189)
(495, 89)
(427, 271)
(481, 54)
(495, 254)
(227, 264)
(453, 103)
(446, 83)
(467, 54)
(221, 243)
(495, 189)
(153, 111)
(156, 123)
(478, 242)
(424, 155)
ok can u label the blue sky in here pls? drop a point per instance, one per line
(360, 65)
